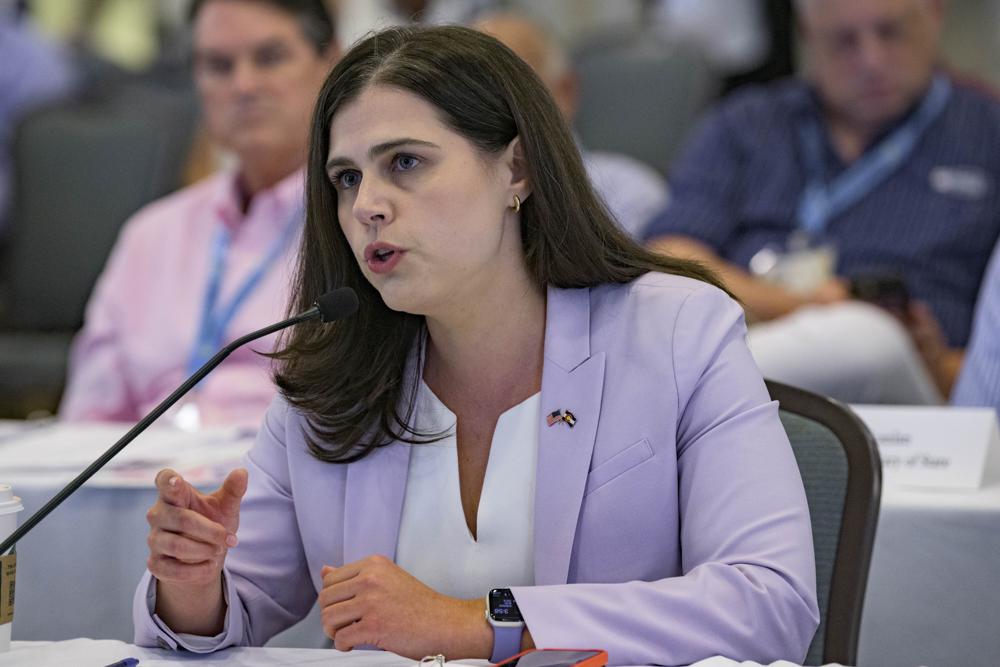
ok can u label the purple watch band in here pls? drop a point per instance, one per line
(506, 641)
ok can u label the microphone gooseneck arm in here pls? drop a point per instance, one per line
(343, 306)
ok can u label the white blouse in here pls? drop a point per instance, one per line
(435, 544)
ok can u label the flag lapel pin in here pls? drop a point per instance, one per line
(561, 416)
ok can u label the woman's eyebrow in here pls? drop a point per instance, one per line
(379, 149)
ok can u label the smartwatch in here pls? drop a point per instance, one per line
(502, 613)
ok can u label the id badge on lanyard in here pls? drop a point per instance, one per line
(808, 258)
(216, 317)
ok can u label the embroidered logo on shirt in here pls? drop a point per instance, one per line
(561, 416)
(964, 182)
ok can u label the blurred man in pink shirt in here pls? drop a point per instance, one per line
(199, 268)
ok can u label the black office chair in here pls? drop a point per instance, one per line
(842, 474)
(81, 168)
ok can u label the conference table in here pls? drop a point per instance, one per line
(933, 591)
(80, 652)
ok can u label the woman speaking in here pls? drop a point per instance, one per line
(534, 431)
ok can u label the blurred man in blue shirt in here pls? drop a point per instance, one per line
(875, 164)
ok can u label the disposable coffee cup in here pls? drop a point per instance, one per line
(10, 505)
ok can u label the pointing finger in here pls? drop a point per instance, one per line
(231, 493)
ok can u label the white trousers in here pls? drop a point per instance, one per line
(852, 351)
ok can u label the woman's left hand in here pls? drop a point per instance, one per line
(375, 602)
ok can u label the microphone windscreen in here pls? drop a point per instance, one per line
(337, 304)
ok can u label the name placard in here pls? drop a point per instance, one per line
(933, 447)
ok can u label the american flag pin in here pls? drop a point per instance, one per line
(561, 416)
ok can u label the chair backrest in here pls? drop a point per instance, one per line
(80, 169)
(640, 96)
(842, 474)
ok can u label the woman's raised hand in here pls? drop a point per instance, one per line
(190, 532)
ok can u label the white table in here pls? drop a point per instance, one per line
(77, 652)
(88, 652)
(77, 569)
(933, 594)
(934, 587)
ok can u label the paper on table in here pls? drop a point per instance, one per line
(62, 450)
(719, 661)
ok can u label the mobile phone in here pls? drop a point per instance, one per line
(887, 290)
(557, 657)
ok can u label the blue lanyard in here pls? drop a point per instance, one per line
(215, 319)
(820, 202)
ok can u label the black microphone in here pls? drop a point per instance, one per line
(334, 305)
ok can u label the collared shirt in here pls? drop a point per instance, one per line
(737, 185)
(143, 316)
(979, 382)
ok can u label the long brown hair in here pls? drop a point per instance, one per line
(350, 380)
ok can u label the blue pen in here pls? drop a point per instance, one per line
(127, 662)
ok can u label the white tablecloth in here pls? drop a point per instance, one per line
(76, 570)
(934, 587)
(88, 652)
(83, 652)
(933, 593)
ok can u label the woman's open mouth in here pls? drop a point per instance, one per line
(382, 257)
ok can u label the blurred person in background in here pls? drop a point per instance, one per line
(979, 382)
(35, 72)
(199, 268)
(874, 171)
(633, 191)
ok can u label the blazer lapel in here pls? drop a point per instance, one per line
(572, 380)
(375, 489)
(373, 503)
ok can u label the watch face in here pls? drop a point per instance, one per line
(503, 607)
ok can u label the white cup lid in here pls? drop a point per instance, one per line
(8, 501)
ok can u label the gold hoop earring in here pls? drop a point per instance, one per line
(517, 204)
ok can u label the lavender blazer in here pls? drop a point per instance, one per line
(670, 523)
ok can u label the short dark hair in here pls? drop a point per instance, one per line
(350, 379)
(313, 16)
